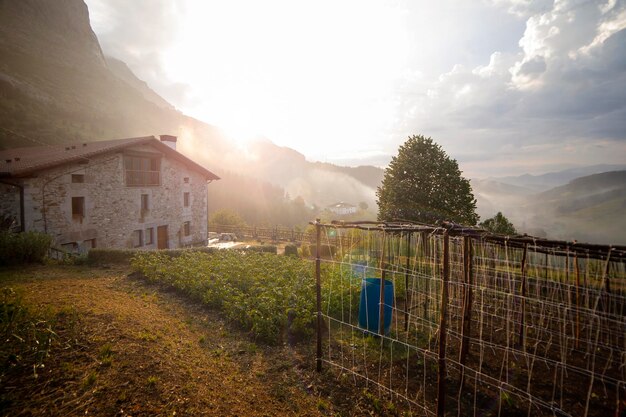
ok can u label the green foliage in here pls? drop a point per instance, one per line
(124, 256)
(422, 183)
(25, 337)
(305, 251)
(226, 217)
(291, 250)
(272, 296)
(260, 248)
(23, 248)
(499, 224)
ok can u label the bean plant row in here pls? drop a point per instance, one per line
(272, 296)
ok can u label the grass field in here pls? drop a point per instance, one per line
(121, 346)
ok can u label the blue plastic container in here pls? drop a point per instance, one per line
(369, 308)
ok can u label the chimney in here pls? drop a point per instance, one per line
(169, 140)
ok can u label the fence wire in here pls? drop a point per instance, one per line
(476, 326)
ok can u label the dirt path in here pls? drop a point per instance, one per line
(126, 349)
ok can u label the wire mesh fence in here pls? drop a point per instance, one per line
(468, 323)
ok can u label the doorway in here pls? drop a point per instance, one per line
(162, 237)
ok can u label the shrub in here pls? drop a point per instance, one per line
(22, 248)
(124, 256)
(261, 248)
(291, 250)
(305, 251)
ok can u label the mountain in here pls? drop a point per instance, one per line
(121, 70)
(317, 183)
(544, 182)
(57, 86)
(589, 209)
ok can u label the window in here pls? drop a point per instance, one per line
(78, 178)
(70, 247)
(186, 199)
(137, 238)
(186, 228)
(150, 236)
(145, 203)
(142, 170)
(186, 180)
(78, 208)
(90, 243)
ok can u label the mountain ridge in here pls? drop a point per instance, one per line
(57, 86)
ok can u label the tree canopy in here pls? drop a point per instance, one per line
(499, 224)
(226, 217)
(422, 183)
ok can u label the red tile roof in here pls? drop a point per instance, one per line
(20, 162)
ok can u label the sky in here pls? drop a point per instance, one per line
(505, 86)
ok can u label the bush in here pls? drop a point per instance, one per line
(305, 251)
(124, 256)
(261, 248)
(291, 250)
(23, 248)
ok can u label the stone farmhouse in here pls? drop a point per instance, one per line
(125, 193)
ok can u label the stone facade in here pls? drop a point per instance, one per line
(110, 213)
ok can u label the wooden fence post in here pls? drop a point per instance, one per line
(407, 297)
(577, 268)
(318, 289)
(441, 380)
(381, 305)
(522, 327)
(468, 269)
(607, 282)
(426, 281)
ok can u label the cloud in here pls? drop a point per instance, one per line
(564, 88)
(507, 82)
(525, 8)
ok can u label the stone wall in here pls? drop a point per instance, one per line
(113, 210)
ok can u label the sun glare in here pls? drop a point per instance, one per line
(298, 70)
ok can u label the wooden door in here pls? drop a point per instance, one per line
(162, 237)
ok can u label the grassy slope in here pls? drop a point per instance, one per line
(125, 348)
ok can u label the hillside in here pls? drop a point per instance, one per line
(589, 208)
(57, 86)
(544, 182)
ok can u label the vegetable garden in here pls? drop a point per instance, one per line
(481, 324)
(474, 323)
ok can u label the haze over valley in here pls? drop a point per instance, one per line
(534, 117)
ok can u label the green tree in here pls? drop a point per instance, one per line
(499, 224)
(226, 217)
(422, 183)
